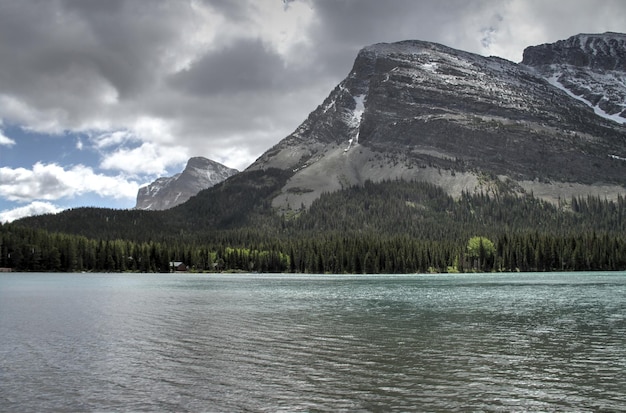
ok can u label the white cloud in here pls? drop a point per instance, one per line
(5, 140)
(52, 182)
(34, 208)
(147, 159)
(15, 109)
(238, 157)
(153, 129)
(286, 29)
(106, 68)
(111, 138)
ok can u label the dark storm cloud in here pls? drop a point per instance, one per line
(236, 11)
(62, 54)
(344, 27)
(226, 79)
(353, 21)
(209, 73)
(244, 66)
(92, 7)
(120, 41)
(479, 26)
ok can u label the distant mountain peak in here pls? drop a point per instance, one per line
(588, 67)
(167, 192)
(201, 163)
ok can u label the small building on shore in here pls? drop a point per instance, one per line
(178, 266)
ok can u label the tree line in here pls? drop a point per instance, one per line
(389, 227)
(24, 249)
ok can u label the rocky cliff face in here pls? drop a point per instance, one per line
(605, 51)
(423, 111)
(167, 192)
(589, 67)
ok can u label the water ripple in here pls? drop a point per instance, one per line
(281, 343)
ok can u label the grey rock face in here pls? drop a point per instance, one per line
(167, 192)
(423, 111)
(589, 67)
(605, 51)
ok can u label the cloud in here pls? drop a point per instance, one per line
(78, 61)
(229, 79)
(102, 69)
(53, 182)
(147, 159)
(34, 208)
(515, 24)
(245, 66)
(111, 138)
(5, 140)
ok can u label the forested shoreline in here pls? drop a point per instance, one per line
(35, 250)
(393, 227)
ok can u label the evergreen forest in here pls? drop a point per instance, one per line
(392, 227)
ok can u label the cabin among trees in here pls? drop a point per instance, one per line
(178, 266)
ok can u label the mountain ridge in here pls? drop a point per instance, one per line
(167, 192)
(424, 111)
(588, 67)
(417, 112)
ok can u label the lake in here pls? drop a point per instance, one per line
(184, 342)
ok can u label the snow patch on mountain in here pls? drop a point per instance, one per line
(430, 67)
(355, 119)
(329, 105)
(615, 117)
(588, 67)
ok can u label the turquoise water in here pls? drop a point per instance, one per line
(172, 342)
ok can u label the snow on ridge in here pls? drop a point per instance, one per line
(430, 67)
(404, 47)
(329, 105)
(554, 80)
(601, 43)
(584, 43)
(619, 158)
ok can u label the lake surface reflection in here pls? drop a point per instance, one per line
(151, 342)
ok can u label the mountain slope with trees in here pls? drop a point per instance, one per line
(389, 227)
(424, 159)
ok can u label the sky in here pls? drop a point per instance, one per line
(98, 98)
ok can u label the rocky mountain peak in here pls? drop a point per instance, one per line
(199, 162)
(167, 192)
(207, 170)
(589, 67)
(416, 110)
(605, 51)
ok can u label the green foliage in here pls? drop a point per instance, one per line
(390, 227)
(481, 251)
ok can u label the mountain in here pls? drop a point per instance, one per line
(423, 111)
(589, 67)
(167, 192)
(414, 112)
(420, 149)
